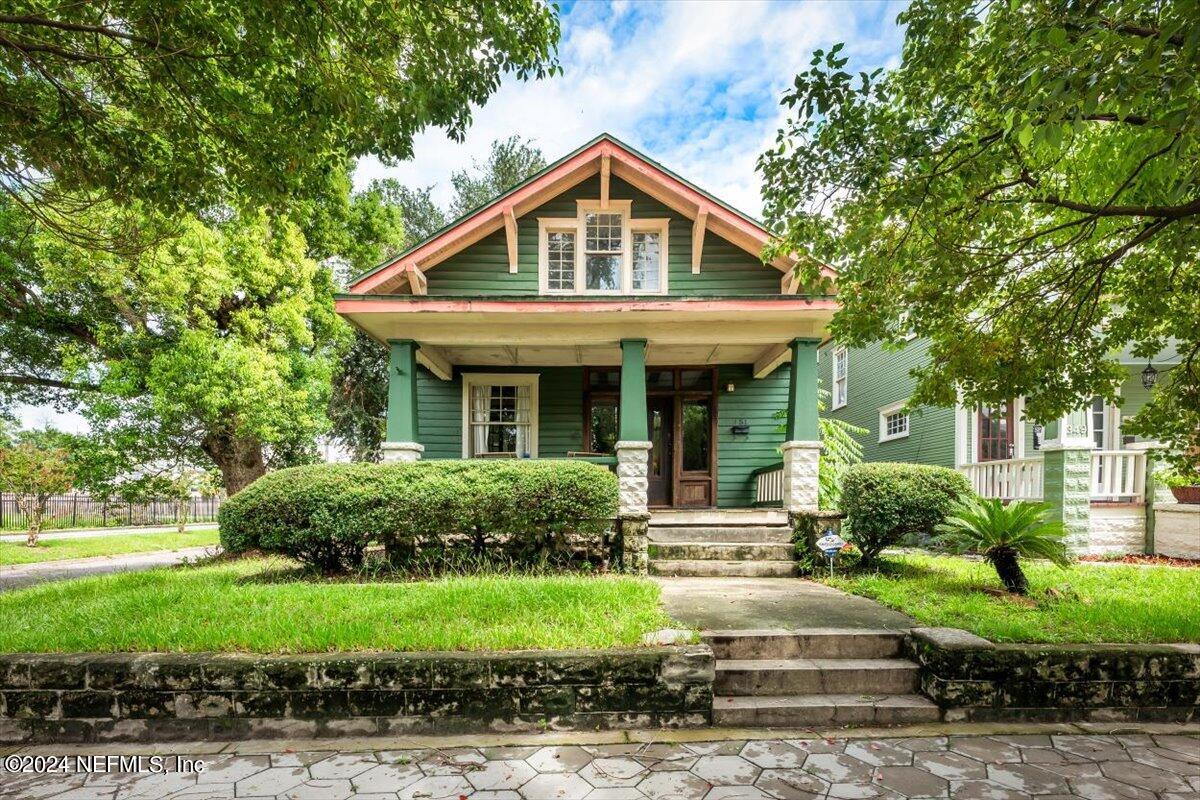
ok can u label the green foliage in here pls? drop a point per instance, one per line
(214, 345)
(33, 468)
(1003, 534)
(509, 162)
(1176, 479)
(1021, 191)
(884, 502)
(327, 515)
(185, 104)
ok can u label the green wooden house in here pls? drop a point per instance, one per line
(1000, 451)
(605, 309)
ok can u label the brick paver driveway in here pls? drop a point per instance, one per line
(1045, 767)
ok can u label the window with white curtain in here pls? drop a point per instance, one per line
(501, 416)
(603, 250)
(647, 260)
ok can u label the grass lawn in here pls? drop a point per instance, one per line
(85, 547)
(215, 608)
(1085, 603)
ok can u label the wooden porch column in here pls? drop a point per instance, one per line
(633, 445)
(402, 427)
(802, 445)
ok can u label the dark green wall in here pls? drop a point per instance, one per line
(482, 269)
(560, 414)
(878, 378)
(754, 402)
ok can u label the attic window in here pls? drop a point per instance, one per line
(602, 251)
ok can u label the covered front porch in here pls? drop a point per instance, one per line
(691, 402)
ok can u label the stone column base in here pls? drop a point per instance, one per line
(635, 543)
(1067, 489)
(394, 452)
(633, 470)
(801, 465)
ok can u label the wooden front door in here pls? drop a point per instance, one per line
(660, 423)
(996, 428)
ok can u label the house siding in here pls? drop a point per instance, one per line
(878, 378)
(482, 268)
(560, 420)
(755, 403)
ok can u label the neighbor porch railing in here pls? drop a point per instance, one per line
(1007, 479)
(1116, 475)
(768, 482)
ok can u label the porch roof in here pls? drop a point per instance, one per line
(587, 330)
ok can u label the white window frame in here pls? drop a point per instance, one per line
(890, 410)
(578, 225)
(472, 379)
(842, 353)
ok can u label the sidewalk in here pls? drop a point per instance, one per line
(87, 533)
(22, 575)
(771, 604)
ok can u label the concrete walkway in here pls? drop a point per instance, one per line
(88, 533)
(681, 765)
(772, 604)
(22, 575)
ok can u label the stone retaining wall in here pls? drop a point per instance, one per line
(1177, 530)
(973, 679)
(136, 697)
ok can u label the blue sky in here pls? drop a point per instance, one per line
(695, 85)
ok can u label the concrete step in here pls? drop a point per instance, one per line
(801, 711)
(719, 516)
(728, 569)
(720, 551)
(794, 676)
(755, 534)
(805, 643)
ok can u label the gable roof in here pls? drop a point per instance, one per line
(604, 154)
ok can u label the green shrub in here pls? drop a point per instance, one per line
(327, 515)
(885, 502)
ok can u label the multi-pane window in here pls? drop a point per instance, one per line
(500, 419)
(839, 377)
(560, 261)
(603, 237)
(647, 260)
(895, 424)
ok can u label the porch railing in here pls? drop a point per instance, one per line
(1119, 475)
(1007, 479)
(768, 482)
(1116, 475)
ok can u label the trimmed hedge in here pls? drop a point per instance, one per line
(327, 515)
(884, 502)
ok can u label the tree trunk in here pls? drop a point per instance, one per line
(240, 459)
(1007, 566)
(34, 516)
(181, 513)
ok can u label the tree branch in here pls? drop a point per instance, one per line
(31, 380)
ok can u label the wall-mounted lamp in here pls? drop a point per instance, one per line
(1149, 376)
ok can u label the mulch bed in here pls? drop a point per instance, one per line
(1139, 558)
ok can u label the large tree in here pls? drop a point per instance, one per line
(1023, 190)
(216, 343)
(358, 407)
(183, 103)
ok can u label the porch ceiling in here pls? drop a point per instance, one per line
(588, 331)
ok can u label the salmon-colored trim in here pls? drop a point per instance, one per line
(349, 305)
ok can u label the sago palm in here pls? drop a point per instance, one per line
(1004, 534)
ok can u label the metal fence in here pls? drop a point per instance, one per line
(82, 511)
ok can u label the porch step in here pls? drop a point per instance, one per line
(727, 534)
(798, 711)
(815, 643)
(773, 677)
(703, 568)
(720, 551)
(718, 516)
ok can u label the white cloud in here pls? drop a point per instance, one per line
(695, 85)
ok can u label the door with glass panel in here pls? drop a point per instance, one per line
(995, 428)
(660, 424)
